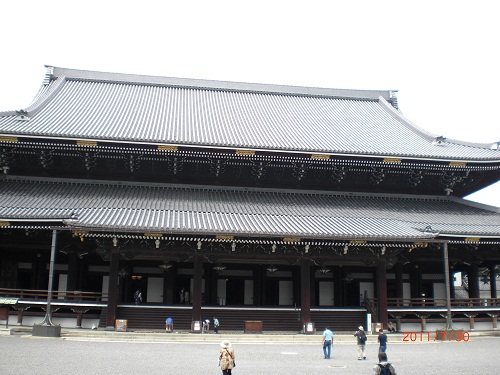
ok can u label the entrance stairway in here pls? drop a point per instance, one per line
(233, 318)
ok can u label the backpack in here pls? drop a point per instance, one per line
(362, 336)
(385, 370)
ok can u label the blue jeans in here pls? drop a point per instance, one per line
(382, 349)
(327, 348)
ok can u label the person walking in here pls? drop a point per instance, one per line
(226, 357)
(382, 340)
(361, 336)
(327, 342)
(383, 367)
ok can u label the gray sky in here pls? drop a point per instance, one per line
(440, 55)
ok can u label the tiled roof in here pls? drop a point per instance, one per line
(139, 109)
(242, 212)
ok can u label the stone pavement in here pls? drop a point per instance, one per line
(24, 354)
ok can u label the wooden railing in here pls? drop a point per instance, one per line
(371, 308)
(441, 302)
(58, 295)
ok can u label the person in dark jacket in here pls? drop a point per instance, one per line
(382, 340)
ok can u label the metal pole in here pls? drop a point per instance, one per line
(449, 325)
(48, 314)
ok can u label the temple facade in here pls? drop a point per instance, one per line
(208, 194)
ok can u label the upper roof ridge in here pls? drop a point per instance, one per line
(55, 72)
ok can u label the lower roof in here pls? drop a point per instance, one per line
(210, 210)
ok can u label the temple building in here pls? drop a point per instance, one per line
(254, 202)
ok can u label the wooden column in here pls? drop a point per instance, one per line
(197, 282)
(415, 282)
(305, 290)
(471, 321)
(494, 320)
(382, 291)
(337, 286)
(398, 269)
(257, 285)
(169, 286)
(212, 282)
(114, 262)
(423, 322)
(493, 279)
(41, 271)
(263, 284)
(72, 271)
(473, 278)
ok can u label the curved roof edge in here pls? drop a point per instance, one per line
(429, 136)
(475, 204)
(55, 72)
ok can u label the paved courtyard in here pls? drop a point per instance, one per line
(47, 356)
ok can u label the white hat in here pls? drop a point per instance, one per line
(360, 327)
(225, 344)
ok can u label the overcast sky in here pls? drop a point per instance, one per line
(441, 56)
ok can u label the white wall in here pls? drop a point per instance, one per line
(326, 293)
(439, 290)
(155, 289)
(248, 297)
(63, 286)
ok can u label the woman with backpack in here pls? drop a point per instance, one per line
(226, 358)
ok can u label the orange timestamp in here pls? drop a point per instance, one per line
(458, 336)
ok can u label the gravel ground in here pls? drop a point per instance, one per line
(47, 356)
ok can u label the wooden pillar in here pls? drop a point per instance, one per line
(20, 316)
(423, 322)
(415, 282)
(296, 291)
(213, 281)
(257, 285)
(79, 316)
(41, 272)
(305, 290)
(473, 280)
(337, 286)
(207, 293)
(398, 323)
(493, 279)
(263, 283)
(382, 291)
(398, 270)
(197, 283)
(472, 322)
(72, 271)
(494, 320)
(114, 261)
(169, 286)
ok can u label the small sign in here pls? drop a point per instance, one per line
(121, 325)
(309, 327)
(195, 326)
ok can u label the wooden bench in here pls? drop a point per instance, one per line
(254, 326)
